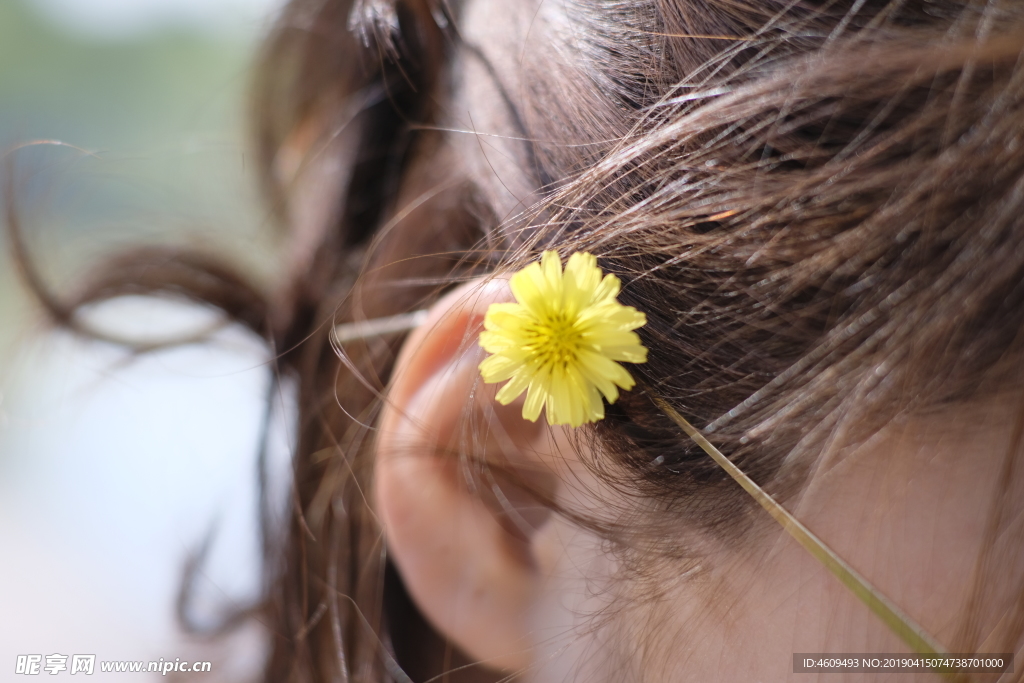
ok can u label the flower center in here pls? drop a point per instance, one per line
(554, 340)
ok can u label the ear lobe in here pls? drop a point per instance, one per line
(471, 578)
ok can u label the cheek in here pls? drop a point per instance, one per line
(574, 620)
(597, 621)
(608, 615)
(581, 620)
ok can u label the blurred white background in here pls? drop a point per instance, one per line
(113, 469)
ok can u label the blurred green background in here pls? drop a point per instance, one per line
(160, 107)
(113, 469)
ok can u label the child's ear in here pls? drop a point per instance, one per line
(464, 555)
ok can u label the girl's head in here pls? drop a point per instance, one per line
(818, 206)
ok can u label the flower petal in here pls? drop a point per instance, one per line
(498, 368)
(526, 286)
(536, 397)
(512, 390)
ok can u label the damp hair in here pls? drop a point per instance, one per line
(817, 204)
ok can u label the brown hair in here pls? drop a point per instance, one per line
(817, 204)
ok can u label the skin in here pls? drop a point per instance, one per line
(552, 600)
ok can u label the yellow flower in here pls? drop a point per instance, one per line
(561, 341)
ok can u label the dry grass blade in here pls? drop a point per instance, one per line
(367, 329)
(900, 623)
